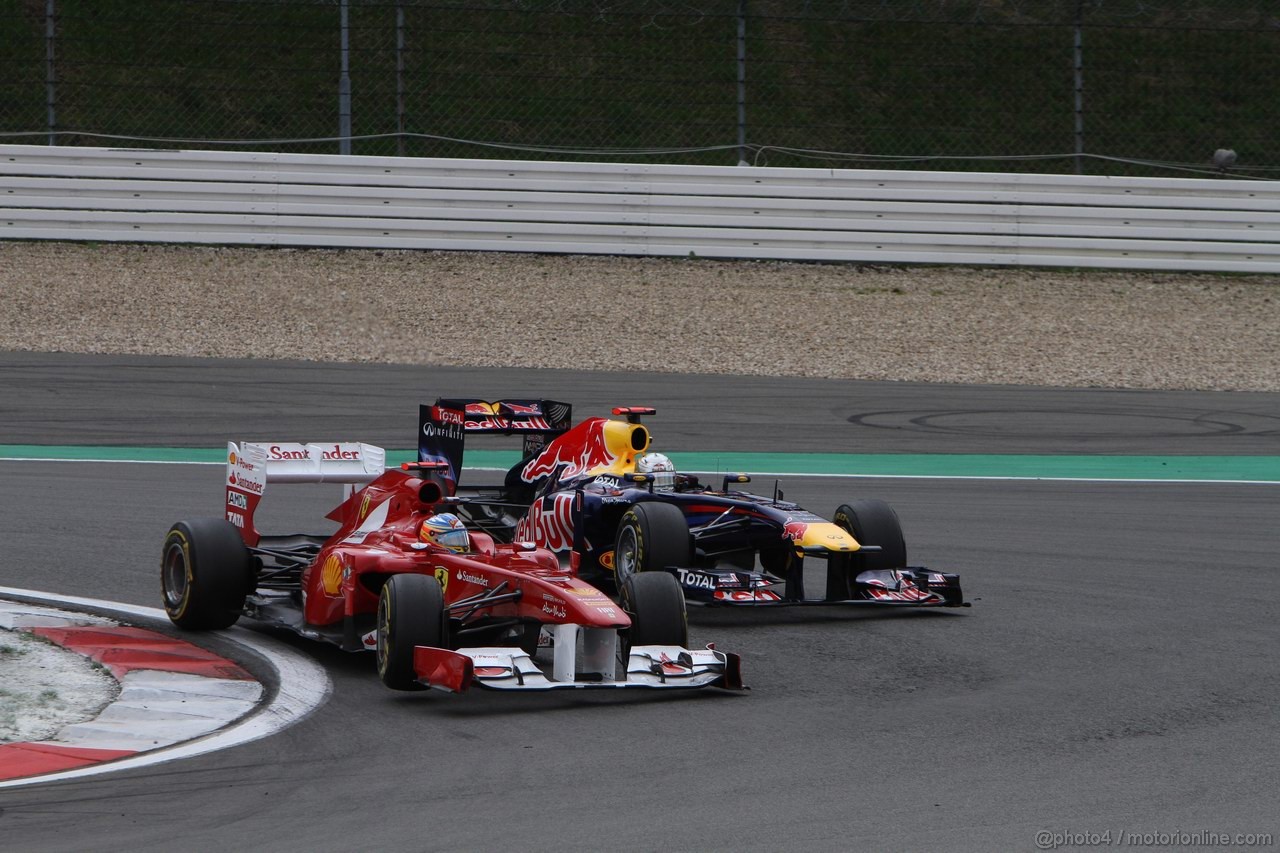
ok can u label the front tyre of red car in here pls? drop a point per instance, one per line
(651, 536)
(410, 613)
(205, 574)
(655, 603)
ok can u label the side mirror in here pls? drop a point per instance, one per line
(638, 479)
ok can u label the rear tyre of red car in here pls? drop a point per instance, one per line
(655, 603)
(205, 574)
(874, 522)
(651, 536)
(410, 613)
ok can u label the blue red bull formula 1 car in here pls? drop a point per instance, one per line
(597, 496)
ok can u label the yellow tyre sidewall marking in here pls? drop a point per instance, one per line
(384, 641)
(186, 565)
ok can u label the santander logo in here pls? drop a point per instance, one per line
(336, 452)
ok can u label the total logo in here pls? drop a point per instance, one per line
(697, 580)
(447, 416)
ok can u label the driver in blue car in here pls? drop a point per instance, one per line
(663, 471)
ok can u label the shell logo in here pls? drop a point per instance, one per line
(232, 459)
(364, 507)
(606, 560)
(331, 575)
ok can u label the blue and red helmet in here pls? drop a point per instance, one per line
(447, 531)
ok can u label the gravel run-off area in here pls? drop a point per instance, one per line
(44, 687)
(1030, 326)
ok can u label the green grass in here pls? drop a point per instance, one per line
(1166, 80)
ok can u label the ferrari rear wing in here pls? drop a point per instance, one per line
(444, 425)
(251, 466)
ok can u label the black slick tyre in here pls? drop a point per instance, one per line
(655, 604)
(205, 574)
(651, 536)
(874, 522)
(410, 613)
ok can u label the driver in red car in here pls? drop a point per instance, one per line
(445, 531)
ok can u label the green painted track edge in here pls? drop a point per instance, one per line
(1262, 469)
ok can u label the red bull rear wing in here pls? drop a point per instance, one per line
(444, 425)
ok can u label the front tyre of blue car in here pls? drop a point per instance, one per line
(874, 522)
(651, 537)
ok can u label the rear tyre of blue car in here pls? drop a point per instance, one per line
(651, 537)
(655, 604)
(874, 522)
(410, 613)
(205, 574)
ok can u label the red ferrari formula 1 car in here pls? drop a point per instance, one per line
(441, 605)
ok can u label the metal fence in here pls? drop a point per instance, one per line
(1096, 86)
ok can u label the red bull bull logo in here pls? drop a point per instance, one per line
(794, 530)
(579, 450)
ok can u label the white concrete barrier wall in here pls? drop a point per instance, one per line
(267, 199)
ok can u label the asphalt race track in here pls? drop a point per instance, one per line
(1117, 672)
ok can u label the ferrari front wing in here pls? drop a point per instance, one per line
(510, 668)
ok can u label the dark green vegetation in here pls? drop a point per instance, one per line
(1163, 80)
